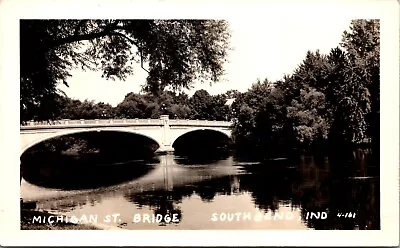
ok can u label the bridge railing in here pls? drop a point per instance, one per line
(176, 122)
(91, 121)
(198, 123)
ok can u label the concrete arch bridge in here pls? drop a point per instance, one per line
(163, 131)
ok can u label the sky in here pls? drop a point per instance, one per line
(261, 48)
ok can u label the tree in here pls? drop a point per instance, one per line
(362, 45)
(75, 109)
(208, 107)
(220, 110)
(177, 52)
(104, 110)
(332, 98)
(200, 105)
(353, 85)
(257, 94)
(179, 111)
(307, 115)
(339, 97)
(243, 128)
(137, 106)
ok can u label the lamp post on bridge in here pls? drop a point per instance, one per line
(163, 109)
(103, 114)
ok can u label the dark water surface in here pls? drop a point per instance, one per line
(226, 193)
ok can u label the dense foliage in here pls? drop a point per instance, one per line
(329, 100)
(201, 106)
(175, 52)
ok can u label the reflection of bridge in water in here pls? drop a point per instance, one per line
(163, 131)
(166, 176)
(169, 174)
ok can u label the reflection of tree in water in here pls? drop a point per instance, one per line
(360, 197)
(169, 209)
(161, 202)
(314, 183)
(201, 157)
(70, 203)
(269, 184)
(207, 190)
(325, 188)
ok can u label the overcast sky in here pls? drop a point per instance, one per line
(262, 48)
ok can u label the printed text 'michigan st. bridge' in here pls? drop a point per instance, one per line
(163, 131)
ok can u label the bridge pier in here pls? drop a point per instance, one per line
(165, 149)
(165, 144)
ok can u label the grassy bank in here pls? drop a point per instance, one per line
(27, 217)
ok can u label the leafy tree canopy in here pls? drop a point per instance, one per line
(329, 101)
(175, 52)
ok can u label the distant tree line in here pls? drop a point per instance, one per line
(201, 105)
(328, 101)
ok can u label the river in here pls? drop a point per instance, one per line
(173, 192)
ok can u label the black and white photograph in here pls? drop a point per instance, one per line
(259, 121)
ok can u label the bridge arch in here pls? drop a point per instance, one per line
(225, 131)
(29, 140)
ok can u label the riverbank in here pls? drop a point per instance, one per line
(27, 222)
